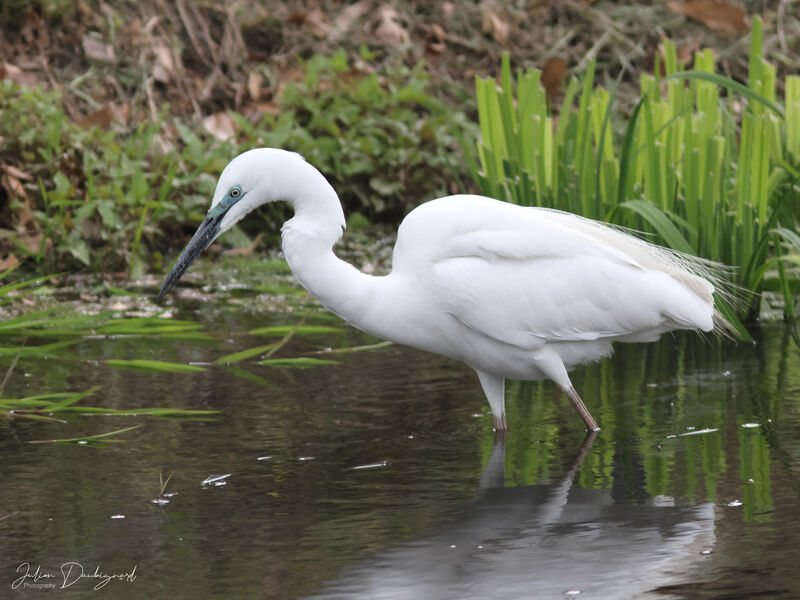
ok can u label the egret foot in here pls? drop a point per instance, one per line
(500, 423)
(591, 424)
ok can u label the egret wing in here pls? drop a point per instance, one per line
(529, 276)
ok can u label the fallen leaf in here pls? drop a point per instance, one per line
(245, 250)
(12, 184)
(389, 29)
(221, 125)
(496, 26)
(553, 74)
(686, 52)
(10, 180)
(714, 14)
(32, 240)
(261, 108)
(254, 81)
(17, 75)
(285, 77)
(97, 50)
(8, 262)
(34, 31)
(104, 117)
(438, 45)
(164, 66)
(18, 173)
(349, 15)
(313, 20)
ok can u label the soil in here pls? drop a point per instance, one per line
(127, 59)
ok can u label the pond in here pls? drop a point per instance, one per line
(378, 475)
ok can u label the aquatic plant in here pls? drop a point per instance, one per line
(716, 177)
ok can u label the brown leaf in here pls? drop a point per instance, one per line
(349, 15)
(254, 81)
(389, 29)
(104, 117)
(17, 75)
(437, 45)
(284, 78)
(10, 181)
(97, 50)
(255, 111)
(34, 31)
(714, 14)
(221, 125)
(31, 239)
(8, 262)
(496, 26)
(313, 20)
(18, 173)
(245, 250)
(164, 65)
(553, 75)
(686, 52)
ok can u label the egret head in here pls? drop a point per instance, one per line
(248, 181)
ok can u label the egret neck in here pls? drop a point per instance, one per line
(307, 241)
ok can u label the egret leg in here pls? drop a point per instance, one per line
(591, 424)
(550, 364)
(494, 388)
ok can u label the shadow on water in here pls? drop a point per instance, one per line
(355, 479)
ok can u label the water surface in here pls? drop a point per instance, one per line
(380, 476)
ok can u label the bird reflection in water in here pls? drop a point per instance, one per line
(539, 541)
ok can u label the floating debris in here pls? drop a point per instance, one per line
(376, 465)
(750, 425)
(735, 503)
(217, 480)
(117, 516)
(264, 457)
(304, 458)
(699, 432)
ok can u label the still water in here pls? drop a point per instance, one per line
(380, 476)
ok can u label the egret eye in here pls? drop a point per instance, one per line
(235, 191)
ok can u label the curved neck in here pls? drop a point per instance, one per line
(307, 242)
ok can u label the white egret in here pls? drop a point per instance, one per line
(514, 292)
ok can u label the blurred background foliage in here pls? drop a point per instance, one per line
(109, 153)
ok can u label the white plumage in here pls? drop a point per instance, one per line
(514, 292)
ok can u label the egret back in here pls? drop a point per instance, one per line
(527, 275)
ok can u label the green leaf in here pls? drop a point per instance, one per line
(297, 363)
(243, 354)
(347, 350)
(729, 83)
(281, 330)
(661, 223)
(154, 365)
(43, 350)
(66, 403)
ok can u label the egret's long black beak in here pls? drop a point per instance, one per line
(202, 238)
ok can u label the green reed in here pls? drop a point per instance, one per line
(711, 175)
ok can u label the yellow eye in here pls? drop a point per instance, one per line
(234, 193)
